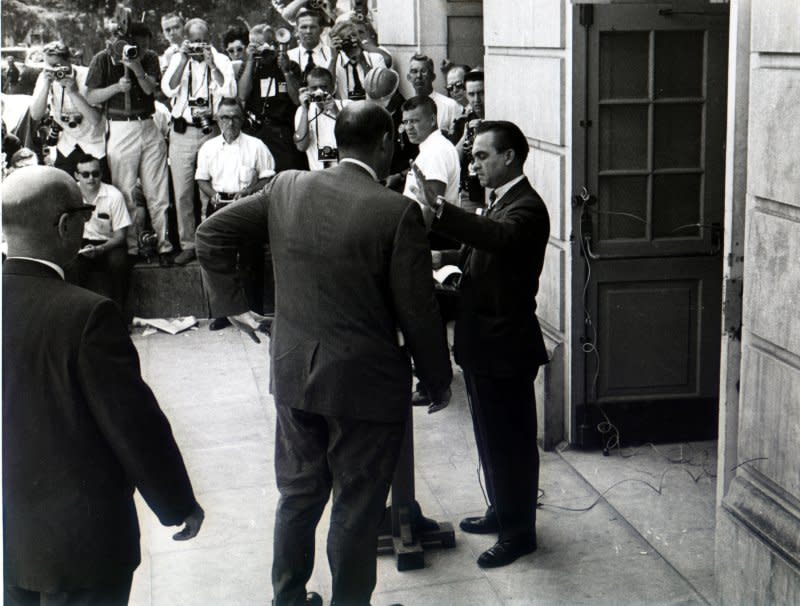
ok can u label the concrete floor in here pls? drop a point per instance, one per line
(635, 546)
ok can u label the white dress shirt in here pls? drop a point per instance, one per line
(203, 84)
(320, 53)
(501, 191)
(344, 74)
(447, 111)
(109, 215)
(232, 167)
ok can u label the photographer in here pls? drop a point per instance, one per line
(196, 80)
(124, 77)
(76, 128)
(353, 62)
(315, 120)
(472, 195)
(268, 87)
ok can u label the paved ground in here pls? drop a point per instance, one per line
(635, 546)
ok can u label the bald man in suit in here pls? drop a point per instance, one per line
(352, 268)
(81, 429)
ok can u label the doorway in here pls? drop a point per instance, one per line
(650, 102)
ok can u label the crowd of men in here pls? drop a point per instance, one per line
(145, 117)
(309, 152)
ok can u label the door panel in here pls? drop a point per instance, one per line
(651, 231)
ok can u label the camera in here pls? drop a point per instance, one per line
(319, 96)
(202, 120)
(60, 72)
(351, 43)
(197, 50)
(130, 51)
(198, 102)
(51, 139)
(327, 154)
(72, 120)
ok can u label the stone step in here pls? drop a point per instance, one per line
(166, 292)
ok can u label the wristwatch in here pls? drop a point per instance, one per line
(438, 206)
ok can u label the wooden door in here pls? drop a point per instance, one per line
(651, 215)
(465, 32)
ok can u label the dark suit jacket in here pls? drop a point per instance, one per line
(80, 431)
(352, 265)
(496, 331)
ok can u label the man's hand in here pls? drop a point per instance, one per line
(208, 57)
(249, 322)
(304, 96)
(424, 191)
(330, 107)
(135, 65)
(90, 251)
(284, 63)
(440, 402)
(69, 83)
(192, 525)
(252, 50)
(184, 49)
(436, 259)
(124, 84)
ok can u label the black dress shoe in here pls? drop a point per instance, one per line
(219, 323)
(503, 553)
(486, 524)
(420, 396)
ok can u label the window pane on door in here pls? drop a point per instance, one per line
(678, 135)
(623, 137)
(627, 195)
(624, 58)
(679, 59)
(676, 206)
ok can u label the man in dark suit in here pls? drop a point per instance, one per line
(352, 268)
(81, 429)
(498, 341)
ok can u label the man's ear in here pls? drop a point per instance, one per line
(63, 220)
(510, 156)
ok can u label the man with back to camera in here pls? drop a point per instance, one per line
(421, 75)
(197, 79)
(75, 443)
(78, 127)
(103, 248)
(352, 267)
(498, 341)
(124, 79)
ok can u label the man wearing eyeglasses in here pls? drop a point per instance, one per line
(421, 75)
(455, 84)
(81, 429)
(103, 247)
(231, 166)
(78, 126)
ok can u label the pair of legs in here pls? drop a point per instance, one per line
(116, 594)
(314, 456)
(183, 148)
(504, 421)
(136, 151)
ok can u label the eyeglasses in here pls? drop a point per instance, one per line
(89, 173)
(235, 49)
(455, 86)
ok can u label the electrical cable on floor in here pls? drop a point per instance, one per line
(658, 490)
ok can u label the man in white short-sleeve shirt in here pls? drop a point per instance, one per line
(232, 165)
(437, 158)
(421, 76)
(315, 120)
(229, 167)
(104, 248)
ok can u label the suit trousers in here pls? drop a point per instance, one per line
(315, 454)
(183, 148)
(112, 595)
(504, 421)
(137, 150)
(113, 264)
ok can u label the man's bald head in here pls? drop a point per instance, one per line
(39, 218)
(365, 131)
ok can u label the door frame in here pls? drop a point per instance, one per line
(578, 430)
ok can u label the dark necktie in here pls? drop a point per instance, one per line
(309, 64)
(492, 199)
(358, 89)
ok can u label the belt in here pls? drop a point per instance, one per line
(129, 118)
(224, 197)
